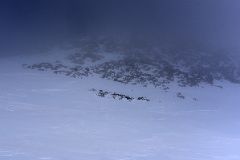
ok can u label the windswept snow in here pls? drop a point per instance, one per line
(53, 117)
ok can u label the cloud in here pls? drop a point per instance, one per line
(214, 22)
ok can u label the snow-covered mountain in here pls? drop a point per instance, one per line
(144, 64)
(107, 100)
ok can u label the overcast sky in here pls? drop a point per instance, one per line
(210, 21)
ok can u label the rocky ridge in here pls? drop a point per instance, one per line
(144, 64)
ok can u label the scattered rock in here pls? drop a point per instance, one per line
(121, 96)
(102, 93)
(158, 68)
(180, 95)
(118, 96)
(143, 99)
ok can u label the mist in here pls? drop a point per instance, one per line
(119, 79)
(192, 23)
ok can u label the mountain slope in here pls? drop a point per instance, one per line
(58, 117)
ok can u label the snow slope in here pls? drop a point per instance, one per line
(44, 116)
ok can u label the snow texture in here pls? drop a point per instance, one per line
(44, 116)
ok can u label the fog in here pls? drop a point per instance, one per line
(119, 79)
(30, 24)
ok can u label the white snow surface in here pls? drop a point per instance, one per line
(44, 116)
